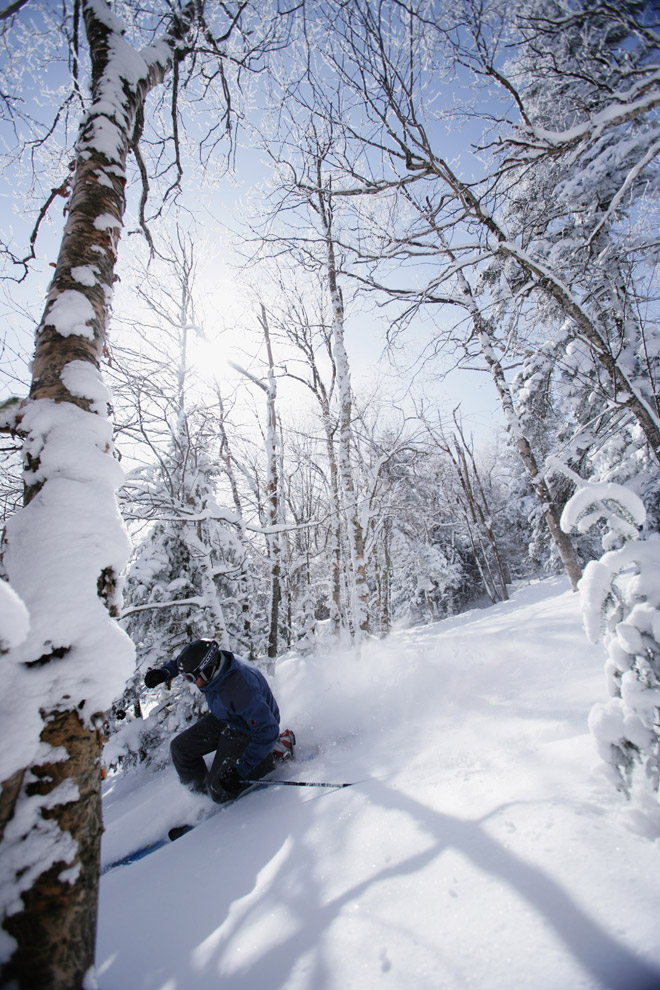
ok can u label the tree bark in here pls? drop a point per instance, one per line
(272, 495)
(56, 929)
(55, 926)
(355, 535)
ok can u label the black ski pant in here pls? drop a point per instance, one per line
(210, 735)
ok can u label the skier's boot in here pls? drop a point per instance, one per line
(283, 748)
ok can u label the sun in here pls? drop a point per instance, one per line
(220, 331)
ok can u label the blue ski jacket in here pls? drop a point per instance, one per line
(240, 696)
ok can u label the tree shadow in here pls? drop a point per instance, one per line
(607, 960)
(208, 919)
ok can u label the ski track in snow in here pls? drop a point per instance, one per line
(481, 849)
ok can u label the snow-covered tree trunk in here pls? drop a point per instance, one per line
(384, 578)
(64, 552)
(272, 494)
(354, 530)
(337, 610)
(243, 581)
(355, 536)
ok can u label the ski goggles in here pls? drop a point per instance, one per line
(206, 668)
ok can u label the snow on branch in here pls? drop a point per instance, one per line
(619, 508)
(617, 113)
(179, 603)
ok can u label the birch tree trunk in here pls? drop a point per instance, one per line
(272, 494)
(337, 611)
(355, 536)
(244, 584)
(75, 660)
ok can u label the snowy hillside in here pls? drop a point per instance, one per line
(481, 846)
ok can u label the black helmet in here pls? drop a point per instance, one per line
(199, 661)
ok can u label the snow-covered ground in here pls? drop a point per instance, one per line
(481, 846)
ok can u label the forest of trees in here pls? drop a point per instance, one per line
(475, 184)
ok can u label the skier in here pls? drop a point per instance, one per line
(241, 728)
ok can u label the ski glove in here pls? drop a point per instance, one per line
(230, 781)
(154, 677)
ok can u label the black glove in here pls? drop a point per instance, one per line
(230, 781)
(154, 677)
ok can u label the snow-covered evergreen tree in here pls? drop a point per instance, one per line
(582, 197)
(621, 605)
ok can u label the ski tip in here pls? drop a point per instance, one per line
(178, 831)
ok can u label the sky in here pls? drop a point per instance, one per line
(218, 204)
(230, 312)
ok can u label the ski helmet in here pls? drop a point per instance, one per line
(199, 661)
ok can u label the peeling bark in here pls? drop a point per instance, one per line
(56, 929)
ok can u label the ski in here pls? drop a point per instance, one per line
(179, 830)
(133, 857)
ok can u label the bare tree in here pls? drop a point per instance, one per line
(299, 317)
(305, 199)
(387, 57)
(272, 487)
(473, 503)
(483, 330)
